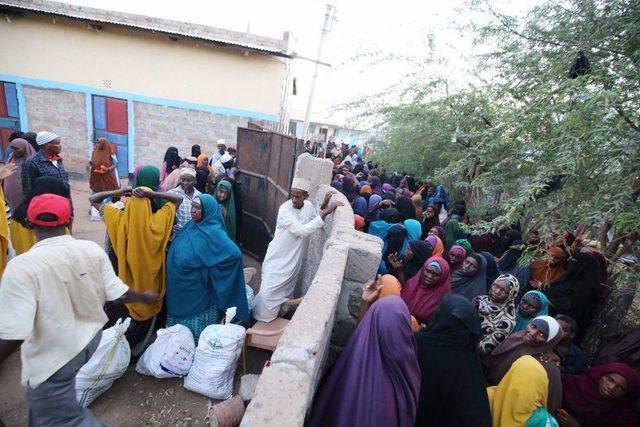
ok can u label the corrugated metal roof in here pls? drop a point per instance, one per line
(254, 42)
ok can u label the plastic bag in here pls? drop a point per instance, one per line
(170, 355)
(216, 358)
(107, 364)
(251, 299)
(95, 214)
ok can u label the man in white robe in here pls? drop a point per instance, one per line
(297, 219)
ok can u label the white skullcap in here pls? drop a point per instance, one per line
(45, 137)
(187, 171)
(554, 326)
(301, 184)
(225, 158)
(220, 142)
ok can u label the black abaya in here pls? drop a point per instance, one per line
(453, 389)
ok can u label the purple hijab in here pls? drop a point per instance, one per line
(349, 189)
(376, 185)
(376, 379)
(374, 204)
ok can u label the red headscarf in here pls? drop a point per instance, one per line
(582, 400)
(423, 301)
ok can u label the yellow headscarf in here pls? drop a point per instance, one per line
(523, 390)
(139, 239)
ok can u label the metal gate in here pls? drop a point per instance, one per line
(266, 161)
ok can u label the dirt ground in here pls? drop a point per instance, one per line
(133, 400)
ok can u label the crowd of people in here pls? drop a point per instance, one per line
(457, 330)
(170, 257)
(454, 331)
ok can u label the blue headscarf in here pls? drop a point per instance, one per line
(522, 322)
(204, 267)
(441, 193)
(414, 231)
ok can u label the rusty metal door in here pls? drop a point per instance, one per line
(266, 161)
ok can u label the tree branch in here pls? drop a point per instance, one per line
(626, 119)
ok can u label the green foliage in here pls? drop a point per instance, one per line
(498, 142)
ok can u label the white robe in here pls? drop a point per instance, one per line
(284, 256)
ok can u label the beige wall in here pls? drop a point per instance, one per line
(141, 63)
(63, 113)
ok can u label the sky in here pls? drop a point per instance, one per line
(398, 27)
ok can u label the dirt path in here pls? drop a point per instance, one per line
(134, 400)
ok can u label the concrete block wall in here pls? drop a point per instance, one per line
(323, 322)
(64, 113)
(159, 127)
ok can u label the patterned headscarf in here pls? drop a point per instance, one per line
(498, 319)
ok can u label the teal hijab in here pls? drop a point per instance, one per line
(414, 231)
(204, 267)
(521, 321)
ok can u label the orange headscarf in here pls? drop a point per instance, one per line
(392, 286)
(203, 162)
(436, 243)
(417, 203)
(358, 222)
(542, 272)
(102, 179)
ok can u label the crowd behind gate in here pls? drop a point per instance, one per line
(454, 331)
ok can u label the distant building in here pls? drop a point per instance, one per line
(322, 130)
(144, 83)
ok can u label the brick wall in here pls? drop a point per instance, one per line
(159, 127)
(61, 112)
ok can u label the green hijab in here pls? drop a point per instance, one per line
(229, 206)
(149, 176)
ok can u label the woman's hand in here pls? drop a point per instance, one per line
(566, 420)
(8, 170)
(549, 357)
(371, 290)
(395, 263)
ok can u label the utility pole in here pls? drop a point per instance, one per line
(328, 18)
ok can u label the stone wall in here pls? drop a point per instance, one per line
(159, 127)
(64, 113)
(325, 318)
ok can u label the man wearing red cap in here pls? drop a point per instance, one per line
(51, 300)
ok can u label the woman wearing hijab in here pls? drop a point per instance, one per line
(520, 399)
(430, 220)
(424, 291)
(545, 271)
(203, 170)
(457, 255)
(102, 177)
(576, 292)
(12, 185)
(376, 185)
(470, 279)
(532, 304)
(170, 163)
(419, 251)
(225, 198)
(388, 192)
(492, 268)
(195, 151)
(349, 189)
(204, 271)
(139, 235)
(392, 244)
(497, 312)
(413, 233)
(385, 394)
(405, 208)
(22, 238)
(438, 231)
(436, 244)
(539, 339)
(417, 206)
(373, 209)
(453, 233)
(508, 262)
(607, 395)
(453, 388)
